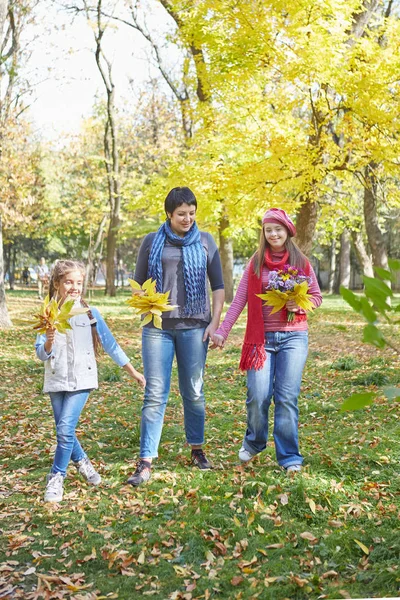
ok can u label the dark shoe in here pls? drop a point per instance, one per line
(141, 474)
(199, 459)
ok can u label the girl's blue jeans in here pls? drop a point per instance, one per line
(158, 350)
(280, 378)
(67, 408)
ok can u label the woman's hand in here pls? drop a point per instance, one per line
(217, 341)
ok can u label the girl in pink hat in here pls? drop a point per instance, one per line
(274, 351)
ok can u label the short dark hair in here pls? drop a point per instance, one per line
(178, 196)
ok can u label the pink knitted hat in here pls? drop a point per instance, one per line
(277, 215)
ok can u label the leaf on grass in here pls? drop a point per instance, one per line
(274, 546)
(311, 504)
(141, 558)
(284, 499)
(307, 535)
(210, 556)
(237, 580)
(334, 523)
(329, 574)
(260, 529)
(363, 548)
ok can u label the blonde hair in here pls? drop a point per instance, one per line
(296, 256)
(62, 268)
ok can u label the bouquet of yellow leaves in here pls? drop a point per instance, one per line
(289, 283)
(146, 301)
(55, 315)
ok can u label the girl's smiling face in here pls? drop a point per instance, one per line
(70, 284)
(276, 235)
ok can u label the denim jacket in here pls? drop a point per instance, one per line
(71, 365)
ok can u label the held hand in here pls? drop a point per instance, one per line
(292, 306)
(217, 341)
(209, 332)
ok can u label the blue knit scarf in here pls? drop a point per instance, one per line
(194, 266)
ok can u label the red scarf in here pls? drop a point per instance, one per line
(253, 350)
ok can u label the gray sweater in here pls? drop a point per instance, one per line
(173, 279)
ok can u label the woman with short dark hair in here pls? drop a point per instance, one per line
(181, 259)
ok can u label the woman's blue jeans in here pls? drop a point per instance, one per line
(279, 378)
(158, 350)
(67, 408)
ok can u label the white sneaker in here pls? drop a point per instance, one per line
(88, 472)
(54, 488)
(293, 469)
(245, 455)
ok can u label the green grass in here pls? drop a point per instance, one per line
(236, 532)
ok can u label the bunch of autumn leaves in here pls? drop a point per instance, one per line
(148, 302)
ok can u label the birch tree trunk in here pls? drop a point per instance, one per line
(332, 268)
(344, 277)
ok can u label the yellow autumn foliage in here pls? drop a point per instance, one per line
(278, 299)
(147, 301)
(54, 314)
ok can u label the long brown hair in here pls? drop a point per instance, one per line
(296, 256)
(62, 268)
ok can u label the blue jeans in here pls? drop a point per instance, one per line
(158, 350)
(67, 408)
(279, 378)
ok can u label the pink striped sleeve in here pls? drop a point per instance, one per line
(314, 289)
(238, 304)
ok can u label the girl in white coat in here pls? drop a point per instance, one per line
(71, 373)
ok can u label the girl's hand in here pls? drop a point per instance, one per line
(50, 337)
(140, 379)
(217, 341)
(135, 374)
(292, 306)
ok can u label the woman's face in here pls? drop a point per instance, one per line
(182, 218)
(276, 235)
(71, 284)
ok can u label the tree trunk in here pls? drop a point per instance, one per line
(111, 152)
(226, 252)
(5, 321)
(332, 267)
(362, 255)
(375, 237)
(307, 217)
(344, 277)
(111, 249)
(93, 248)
